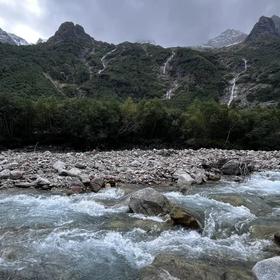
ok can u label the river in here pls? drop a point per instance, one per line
(91, 236)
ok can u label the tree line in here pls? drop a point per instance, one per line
(111, 123)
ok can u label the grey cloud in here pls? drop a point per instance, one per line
(167, 22)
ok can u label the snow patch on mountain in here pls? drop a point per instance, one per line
(228, 38)
(12, 39)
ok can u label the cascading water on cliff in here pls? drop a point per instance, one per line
(103, 61)
(234, 81)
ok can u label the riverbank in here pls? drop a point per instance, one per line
(90, 171)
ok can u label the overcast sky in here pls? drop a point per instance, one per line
(166, 22)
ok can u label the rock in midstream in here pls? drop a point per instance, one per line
(149, 202)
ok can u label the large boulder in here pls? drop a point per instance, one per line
(149, 202)
(268, 269)
(5, 174)
(60, 167)
(277, 238)
(183, 178)
(181, 217)
(236, 167)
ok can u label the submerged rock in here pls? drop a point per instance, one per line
(149, 202)
(263, 228)
(174, 267)
(268, 269)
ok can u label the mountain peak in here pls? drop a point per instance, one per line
(69, 32)
(11, 39)
(264, 28)
(227, 38)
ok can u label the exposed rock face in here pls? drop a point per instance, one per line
(267, 269)
(264, 28)
(181, 217)
(149, 202)
(69, 32)
(276, 21)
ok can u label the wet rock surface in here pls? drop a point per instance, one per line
(152, 167)
(174, 267)
(181, 216)
(267, 269)
(149, 202)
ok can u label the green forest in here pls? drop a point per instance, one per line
(104, 124)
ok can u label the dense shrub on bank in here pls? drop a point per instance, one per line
(90, 123)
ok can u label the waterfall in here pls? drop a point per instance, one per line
(170, 92)
(233, 82)
(165, 68)
(232, 90)
(103, 61)
(245, 64)
(167, 63)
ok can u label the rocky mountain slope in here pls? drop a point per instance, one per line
(228, 38)
(12, 39)
(73, 64)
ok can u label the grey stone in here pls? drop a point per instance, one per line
(85, 179)
(268, 269)
(183, 178)
(182, 217)
(59, 166)
(149, 202)
(16, 174)
(5, 174)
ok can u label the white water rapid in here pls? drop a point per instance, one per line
(234, 81)
(92, 236)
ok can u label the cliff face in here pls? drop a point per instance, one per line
(263, 29)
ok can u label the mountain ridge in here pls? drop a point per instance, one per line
(73, 64)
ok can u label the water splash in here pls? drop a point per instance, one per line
(220, 219)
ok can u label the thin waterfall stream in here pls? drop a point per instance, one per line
(234, 81)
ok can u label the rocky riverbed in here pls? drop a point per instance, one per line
(157, 214)
(90, 171)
